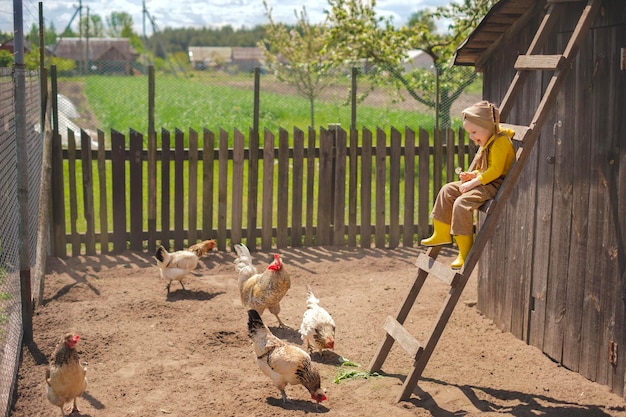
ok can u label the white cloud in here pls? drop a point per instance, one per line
(195, 13)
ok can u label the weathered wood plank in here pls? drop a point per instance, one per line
(577, 103)
(437, 162)
(104, 200)
(339, 203)
(409, 188)
(253, 187)
(222, 189)
(57, 187)
(353, 186)
(282, 193)
(423, 201)
(394, 189)
(436, 269)
(297, 180)
(152, 178)
(268, 190)
(539, 62)
(118, 188)
(310, 187)
(135, 172)
(402, 336)
(236, 206)
(208, 169)
(88, 186)
(325, 184)
(366, 189)
(165, 188)
(542, 234)
(450, 155)
(381, 182)
(71, 172)
(179, 189)
(192, 164)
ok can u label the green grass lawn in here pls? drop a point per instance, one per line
(226, 103)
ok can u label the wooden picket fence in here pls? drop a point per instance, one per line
(337, 188)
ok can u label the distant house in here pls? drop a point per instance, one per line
(202, 57)
(418, 59)
(9, 45)
(248, 58)
(102, 55)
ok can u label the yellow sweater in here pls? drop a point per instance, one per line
(500, 158)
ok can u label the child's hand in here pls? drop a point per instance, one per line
(467, 176)
(470, 185)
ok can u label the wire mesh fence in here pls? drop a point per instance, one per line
(11, 326)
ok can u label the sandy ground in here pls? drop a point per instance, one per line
(188, 354)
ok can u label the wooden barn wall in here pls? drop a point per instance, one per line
(560, 283)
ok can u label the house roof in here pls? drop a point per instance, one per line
(252, 53)
(100, 49)
(210, 53)
(9, 45)
(503, 21)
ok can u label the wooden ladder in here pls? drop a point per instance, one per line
(528, 135)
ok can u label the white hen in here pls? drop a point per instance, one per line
(318, 327)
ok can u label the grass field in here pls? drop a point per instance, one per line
(226, 102)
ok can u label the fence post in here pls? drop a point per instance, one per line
(22, 175)
(152, 200)
(353, 98)
(57, 191)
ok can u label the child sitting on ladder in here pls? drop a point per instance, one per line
(456, 201)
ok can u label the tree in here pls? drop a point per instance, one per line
(92, 26)
(120, 25)
(297, 56)
(6, 58)
(49, 35)
(358, 34)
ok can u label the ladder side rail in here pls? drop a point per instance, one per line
(385, 346)
(541, 36)
(444, 315)
(582, 28)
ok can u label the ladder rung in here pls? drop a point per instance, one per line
(402, 336)
(437, 269)
(539, 62)
(520, 131)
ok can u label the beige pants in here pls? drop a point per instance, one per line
(457, 209)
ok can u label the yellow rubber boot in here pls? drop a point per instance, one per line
(465, 243)
(441, 235)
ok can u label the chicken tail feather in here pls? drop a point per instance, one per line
(161, 253)
(243, 263)
(311, 301)
(242, 250)
(254, 322)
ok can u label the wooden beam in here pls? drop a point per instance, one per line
(539, 62)
(402, 336)
(436, 269)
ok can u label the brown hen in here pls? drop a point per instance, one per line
(284, 363)
(260, 291)
(66, 376)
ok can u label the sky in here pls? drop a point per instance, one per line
(192, 13)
